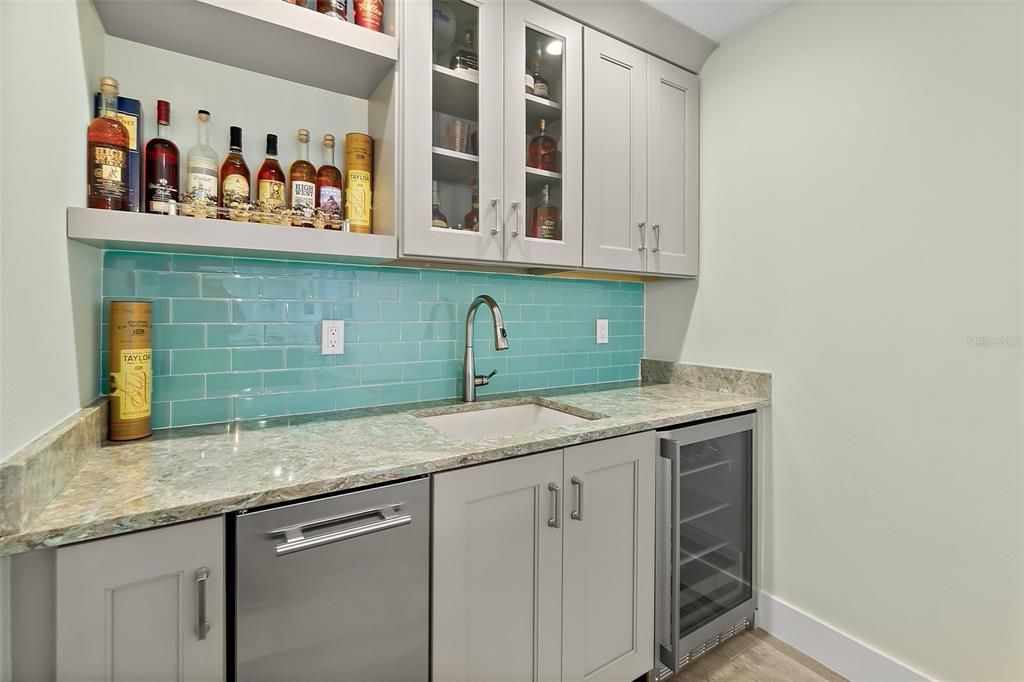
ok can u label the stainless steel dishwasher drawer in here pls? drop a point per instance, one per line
(336, 588)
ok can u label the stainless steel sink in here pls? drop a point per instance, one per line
(494, 422)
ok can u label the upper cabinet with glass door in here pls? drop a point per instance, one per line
(543, 136)
(492, 122)
(452, 80)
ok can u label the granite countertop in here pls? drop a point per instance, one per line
(191, 473)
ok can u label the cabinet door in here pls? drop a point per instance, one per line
(673, 130)
(452, 124)
(497, 572)
(614, 153)
(543, 170)
(608, 602)
(129, 607)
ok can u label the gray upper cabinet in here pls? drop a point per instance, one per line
(497, 577)
(544, 566)
(471, 188)
(641, 133)
(608, 584)
(133, 607)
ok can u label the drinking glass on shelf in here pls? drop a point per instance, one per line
(458, 135)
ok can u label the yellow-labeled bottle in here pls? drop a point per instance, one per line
(359, 182)
(131, 369)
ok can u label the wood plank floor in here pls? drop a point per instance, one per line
(755, 656)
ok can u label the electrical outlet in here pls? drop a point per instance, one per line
(332, 337)
(602, 331)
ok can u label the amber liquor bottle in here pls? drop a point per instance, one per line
(234, 179)
(542, 152)
(270, 194)
(107, 138)
(302, 184)
(328, 183)
(161, 179)
(471, 223)
(333, 8)
(546, 223)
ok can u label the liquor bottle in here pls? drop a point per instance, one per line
(234, 179)
(161, 165)
(369, 14)
(546, 223)
(201, 168)
(542, 152)
(540, 83)
(333, 8)
(107, 181)
(466, 59)
(438, 219)
(302, 188)
(328, 182)
(270, 182)
(471, 222)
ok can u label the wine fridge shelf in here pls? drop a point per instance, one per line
(456, 92)
(272, 38)
(126, 230)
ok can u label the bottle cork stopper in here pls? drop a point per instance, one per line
(329, 141)
(303, 135)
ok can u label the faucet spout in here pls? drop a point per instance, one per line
(470, 380)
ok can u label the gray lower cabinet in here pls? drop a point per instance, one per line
(543, 566)
(133, 607)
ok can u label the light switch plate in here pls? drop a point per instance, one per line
(602, 331)
(332, 337)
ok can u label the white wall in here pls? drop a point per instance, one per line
(52, 55)
(861, 221)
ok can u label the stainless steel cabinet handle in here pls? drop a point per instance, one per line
(202, 625)
(556, 506)
(496, 204)
(657, 238)
(295, 540)
(643, 236)
(577, 513)
(515, 225)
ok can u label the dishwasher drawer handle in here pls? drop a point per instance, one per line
(295, 540)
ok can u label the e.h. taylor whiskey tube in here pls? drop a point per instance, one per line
(131, 369)
(359, 182)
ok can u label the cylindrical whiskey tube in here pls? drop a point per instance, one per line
(131, 369)
(369, 14)
(359, 182)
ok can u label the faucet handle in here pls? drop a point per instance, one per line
(481, 380)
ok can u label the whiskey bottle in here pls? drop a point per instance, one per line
(234, 179)
(540, 83)
(333, 8)
(546, 223)
(328, 183)
(471, 222)
(437, 219)
(270, 183)
(201, 168)
(302, 190)
(542, 152)
(107, 139)
(161, 165)
(466, 58)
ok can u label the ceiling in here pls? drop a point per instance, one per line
(718, 19)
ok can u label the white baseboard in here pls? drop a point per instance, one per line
(833, 648)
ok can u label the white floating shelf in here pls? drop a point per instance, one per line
(270, 37)
(456, 93)
(454, 167)
(126, 230)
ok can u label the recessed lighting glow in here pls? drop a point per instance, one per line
(554, 47)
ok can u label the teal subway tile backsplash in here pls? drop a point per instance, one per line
(238, 338)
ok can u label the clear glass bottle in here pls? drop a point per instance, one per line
(107, 138)
(546, 223)
(302, 187)
(201, 177)
(234, 179)
(438, 219)
(466, 58)
(161, 178)
(328, 183)
(542, 152)
(541, 87)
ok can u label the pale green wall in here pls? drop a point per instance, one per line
(861, 223)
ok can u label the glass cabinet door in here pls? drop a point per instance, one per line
(543, 136)
(452, 58)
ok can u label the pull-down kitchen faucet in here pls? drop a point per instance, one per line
(470, 379)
